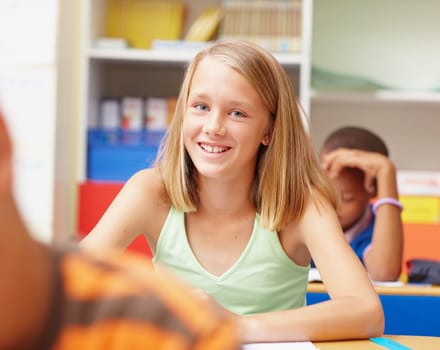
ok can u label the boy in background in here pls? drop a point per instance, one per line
(64, 299)
(358, 161)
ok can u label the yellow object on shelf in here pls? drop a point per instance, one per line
(205, 26)
(420, 209)
(142, 21)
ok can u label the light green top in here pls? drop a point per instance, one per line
(263, 279)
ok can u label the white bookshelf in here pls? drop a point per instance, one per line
(118, 72)
(38, 92)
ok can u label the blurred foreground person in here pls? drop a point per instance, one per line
(53, 298)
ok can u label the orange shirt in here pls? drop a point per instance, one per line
(104, 304)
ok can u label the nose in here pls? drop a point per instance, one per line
(214, 124)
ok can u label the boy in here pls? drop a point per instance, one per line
(63, 299)
(357, 159)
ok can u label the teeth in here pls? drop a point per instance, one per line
(211, 149)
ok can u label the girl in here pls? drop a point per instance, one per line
(237, 205)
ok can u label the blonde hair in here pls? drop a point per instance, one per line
(287, 171)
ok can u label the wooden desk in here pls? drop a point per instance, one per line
(407, 289)
(413, 342)
(409, 309)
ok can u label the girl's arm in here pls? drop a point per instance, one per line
(137, 209)
(354, 310)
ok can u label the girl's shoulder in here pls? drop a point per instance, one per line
(147, 190)
(146, 180)
(318, 211)
(147, 173)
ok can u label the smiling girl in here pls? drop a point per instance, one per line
(238, 204)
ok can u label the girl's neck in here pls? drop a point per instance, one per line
(224, 196)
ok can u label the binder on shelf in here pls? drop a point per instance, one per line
(274, 24)
(205, 26)
(156, 113)
(110, 119)
(142, 21)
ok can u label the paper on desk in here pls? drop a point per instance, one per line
(280, 346)
(314, 276)
(388, 283)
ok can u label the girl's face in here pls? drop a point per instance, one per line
(225, 121)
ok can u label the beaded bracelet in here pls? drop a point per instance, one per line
(387, 200)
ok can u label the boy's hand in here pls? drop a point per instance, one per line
(374, 165)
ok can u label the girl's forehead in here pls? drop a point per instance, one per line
(209, 62)
(213, 73)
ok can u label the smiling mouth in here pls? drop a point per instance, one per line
(214, 149)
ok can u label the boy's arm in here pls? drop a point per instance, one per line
(24, 265)
(384, 260)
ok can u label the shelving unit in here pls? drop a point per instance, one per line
(139, 72)
(400, 52)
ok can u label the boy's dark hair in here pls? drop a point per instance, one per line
(355, 138)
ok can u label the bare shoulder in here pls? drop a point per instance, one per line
(145, 180)
(148, 194)
(138, 209)
(300, 237)
(318, 211)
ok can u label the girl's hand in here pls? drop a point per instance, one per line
(208, 300)
(213, 305)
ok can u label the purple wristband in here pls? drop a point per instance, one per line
(387, 200)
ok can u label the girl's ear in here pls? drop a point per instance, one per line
(267, 136)
(266, 139)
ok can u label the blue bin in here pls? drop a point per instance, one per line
(117, 155)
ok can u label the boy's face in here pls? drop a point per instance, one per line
(354, 196)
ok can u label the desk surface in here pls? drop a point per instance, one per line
(413, 342)
(399, 290)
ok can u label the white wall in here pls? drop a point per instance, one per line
(39, 59)
(27, 94)
(394, 43)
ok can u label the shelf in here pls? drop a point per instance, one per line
(376, 96)
(170, 56)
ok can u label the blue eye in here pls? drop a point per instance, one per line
(201, 107)
(237, 114)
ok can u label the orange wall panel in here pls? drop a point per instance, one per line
(421, 241)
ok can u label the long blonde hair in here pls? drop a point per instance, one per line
(287, 171)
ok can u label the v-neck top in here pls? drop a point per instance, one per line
(262, 279)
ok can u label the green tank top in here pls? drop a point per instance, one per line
(263, 279)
